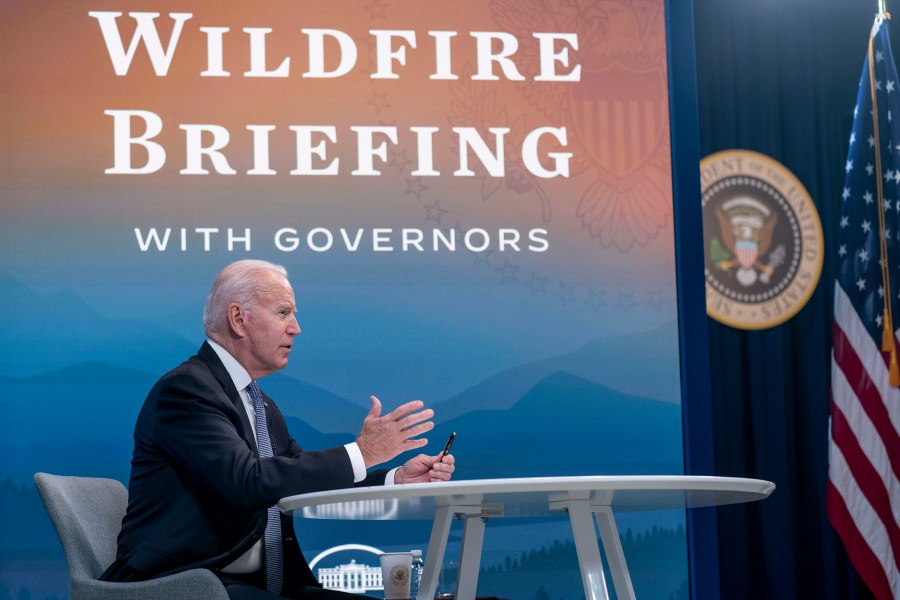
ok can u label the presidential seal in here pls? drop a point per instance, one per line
(399, 575)
(762, 239)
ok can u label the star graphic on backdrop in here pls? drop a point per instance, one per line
(435, 212)
(596, 299)
(366, 40)
(482, 258)
(400, 159)
(845, 222)
(377, 9)
(537, 284)
(415, 187)
(866, 226)
(656, 299)
(379, 101)
(566, 292)
(507, 271)
(626, 301)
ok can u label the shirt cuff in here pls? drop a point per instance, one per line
(359, 465)
(389, 478)
(356, 459)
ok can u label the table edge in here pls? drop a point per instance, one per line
(688, 483)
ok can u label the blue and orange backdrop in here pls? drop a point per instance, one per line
(489, 206)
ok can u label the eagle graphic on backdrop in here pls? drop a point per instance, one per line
(617, 113)
(746, 226)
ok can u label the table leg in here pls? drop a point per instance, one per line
(470, 557)
(612, 545)
(434, 556)
(586, 547)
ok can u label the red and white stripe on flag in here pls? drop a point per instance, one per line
(863, 496)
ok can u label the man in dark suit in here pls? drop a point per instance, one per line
(203, 479)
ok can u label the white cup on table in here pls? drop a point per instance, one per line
(395, 574)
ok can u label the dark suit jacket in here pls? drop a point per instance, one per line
(198, 491)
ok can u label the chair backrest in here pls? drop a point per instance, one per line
(87, 514)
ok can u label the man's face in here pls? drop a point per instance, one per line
(270, 327)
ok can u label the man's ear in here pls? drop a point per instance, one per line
(237, 317)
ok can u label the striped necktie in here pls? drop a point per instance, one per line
(273, 555)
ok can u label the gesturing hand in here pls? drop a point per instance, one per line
(384, 437)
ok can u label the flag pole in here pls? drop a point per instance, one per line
(888, 343)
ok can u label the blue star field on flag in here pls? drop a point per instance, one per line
(859, 245)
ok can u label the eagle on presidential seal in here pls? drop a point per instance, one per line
(746, 226)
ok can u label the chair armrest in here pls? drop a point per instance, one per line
(188, 585)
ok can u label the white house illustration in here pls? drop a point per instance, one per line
(353, 578)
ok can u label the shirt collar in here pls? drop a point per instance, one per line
(239, 375)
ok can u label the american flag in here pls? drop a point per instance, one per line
(863, 496)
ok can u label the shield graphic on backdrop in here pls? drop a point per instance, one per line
(621, 122)
(620, 116)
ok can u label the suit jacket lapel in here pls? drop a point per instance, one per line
(218, 370)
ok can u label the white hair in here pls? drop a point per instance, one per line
(239, 283)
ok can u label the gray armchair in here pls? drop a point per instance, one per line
(87, 514)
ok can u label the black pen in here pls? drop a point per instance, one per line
(446, 450)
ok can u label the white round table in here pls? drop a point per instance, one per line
(476, 501)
